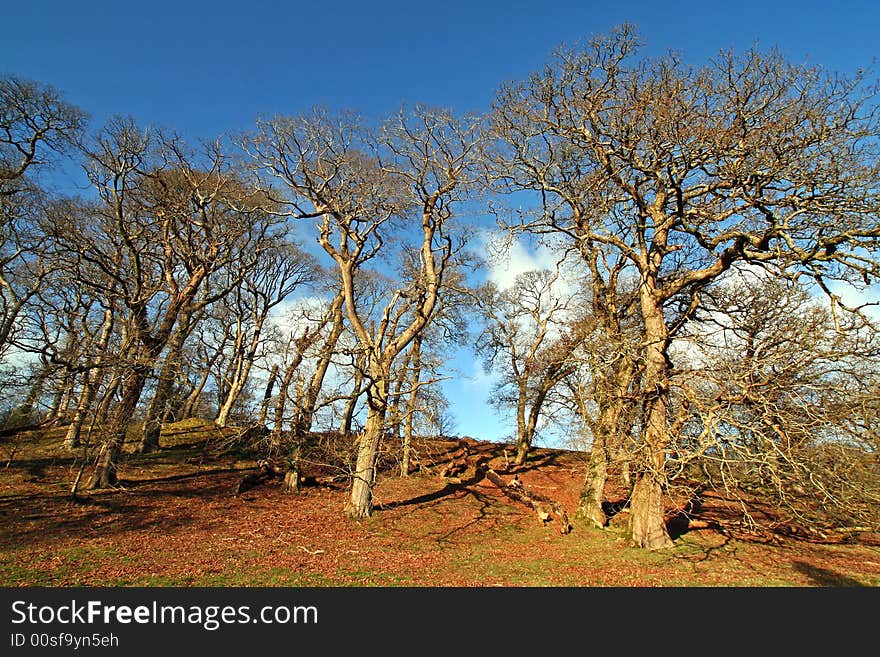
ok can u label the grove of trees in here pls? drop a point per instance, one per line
(310, 274)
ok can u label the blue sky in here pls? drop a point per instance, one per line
(204, 68)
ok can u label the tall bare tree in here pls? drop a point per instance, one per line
(36, 123)
(683, 172)
(359, 184)
(271, 281)
(166, 220)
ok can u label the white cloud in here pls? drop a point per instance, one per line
(508, 258)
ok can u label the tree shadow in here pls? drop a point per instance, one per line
(825, 577)
(612, 508)
(449, 489)
(536, 461)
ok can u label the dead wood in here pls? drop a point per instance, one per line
(458, 462)
(267, 470)
(543, 506)
(11, 431)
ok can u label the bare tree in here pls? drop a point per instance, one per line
(35, 124)
(162, 226)
(271, 281)
(688, 171)
(771, 397)
(527, 340)
(358, 184)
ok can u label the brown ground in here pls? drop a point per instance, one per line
(174, 520)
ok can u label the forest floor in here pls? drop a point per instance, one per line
(175, 520)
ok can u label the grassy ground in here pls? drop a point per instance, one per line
(174, 520)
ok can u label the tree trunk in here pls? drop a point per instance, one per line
(86, 397)
(91, 381)
(593, 492)
(195, 395)
(267, 396)
(411, 405)
(167, 375)
(522, 440)
(292, 476)
(242, 369)
(281, 401)
(351, 404)
(102, 412)
(105, 472)
(306, 415)
(395, 419)
(613, 425)
(360, 504)
(61, 400)
(647, 524)
(26, 410)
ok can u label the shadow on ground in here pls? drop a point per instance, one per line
(823, 576)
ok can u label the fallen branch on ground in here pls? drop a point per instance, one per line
(544, 507)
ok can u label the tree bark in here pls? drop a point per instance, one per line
(351, 404)
(61, 401)
(192, 399)
(267, 395)
(360, 502)
(242, 370)
(306, 415)
(167, 375)
(91, 380)
(281, 401)
(105, 472)
(593, 493)
(26, 410)
(647, 524)
(522, 441)
(411, 404)
(609, 432)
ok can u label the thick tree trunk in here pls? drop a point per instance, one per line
(156, 410)
(294, 467)
(593, 492)
(614, 423)
(647, 524)
(167, 375)
(360, 503)
(105, 472)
